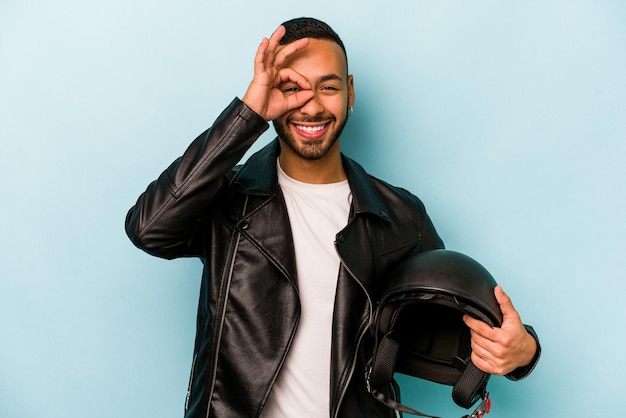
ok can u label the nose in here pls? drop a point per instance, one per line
(312, 107)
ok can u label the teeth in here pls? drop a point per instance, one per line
(310, 129)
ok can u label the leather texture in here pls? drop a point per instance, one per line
(234, 219)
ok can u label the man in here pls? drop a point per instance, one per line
(295, 245)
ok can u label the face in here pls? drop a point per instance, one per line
(312, 131)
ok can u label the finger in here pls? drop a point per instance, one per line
(299, 99)
(489, 358)
(485, 356)
(277, 35)
(481, 355)
(259, 58)
(287, 50)
(481, 363)
(274, 42)
(487, 364)
(477, 325)
(289, 75)
(482, 333)
(479, 351)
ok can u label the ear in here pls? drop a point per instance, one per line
(351, 96)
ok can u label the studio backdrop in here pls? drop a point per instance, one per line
(507, 118)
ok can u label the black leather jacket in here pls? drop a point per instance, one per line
(235, 220)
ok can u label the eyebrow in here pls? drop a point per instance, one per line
(330, 77)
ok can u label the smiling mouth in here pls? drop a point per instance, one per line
(310, 129)
(311, 132)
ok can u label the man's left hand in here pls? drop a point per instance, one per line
(501, 350)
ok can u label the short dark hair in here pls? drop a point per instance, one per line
(308, 27)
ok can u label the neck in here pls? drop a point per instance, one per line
(325, 170)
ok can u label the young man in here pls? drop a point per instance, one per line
(295, 244)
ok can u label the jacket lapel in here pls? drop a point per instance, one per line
(357, 242)
(266, 222)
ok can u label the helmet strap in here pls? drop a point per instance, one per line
(470, 387)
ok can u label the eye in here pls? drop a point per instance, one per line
(290, 89)
(329, 90)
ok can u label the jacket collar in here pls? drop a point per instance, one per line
(258, 176)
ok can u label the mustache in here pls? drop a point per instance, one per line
(314, 119)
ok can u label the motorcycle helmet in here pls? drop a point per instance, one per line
(419, 331)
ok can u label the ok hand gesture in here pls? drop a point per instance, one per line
(264, 95)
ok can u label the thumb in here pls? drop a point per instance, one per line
(299, 99)
(506, 306)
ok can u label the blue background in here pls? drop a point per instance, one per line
(507, 118)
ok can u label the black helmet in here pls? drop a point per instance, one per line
(419, 330)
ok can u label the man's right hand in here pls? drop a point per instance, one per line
(264, 95)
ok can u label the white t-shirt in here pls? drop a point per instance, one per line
(316, 213)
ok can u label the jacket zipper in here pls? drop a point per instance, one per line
(369, 322)
(224, 295)
(193, 368)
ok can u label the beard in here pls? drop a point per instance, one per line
(313, 149)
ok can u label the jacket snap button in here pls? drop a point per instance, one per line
(340, 238)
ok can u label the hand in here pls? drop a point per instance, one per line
(264, 95)
(501, 350)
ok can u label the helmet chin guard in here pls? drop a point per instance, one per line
(419, 329)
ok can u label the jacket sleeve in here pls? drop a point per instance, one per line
(522, 372)
(164, 221)
(429, 237)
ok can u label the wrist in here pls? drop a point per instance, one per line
(252, 105)
(530, 345)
